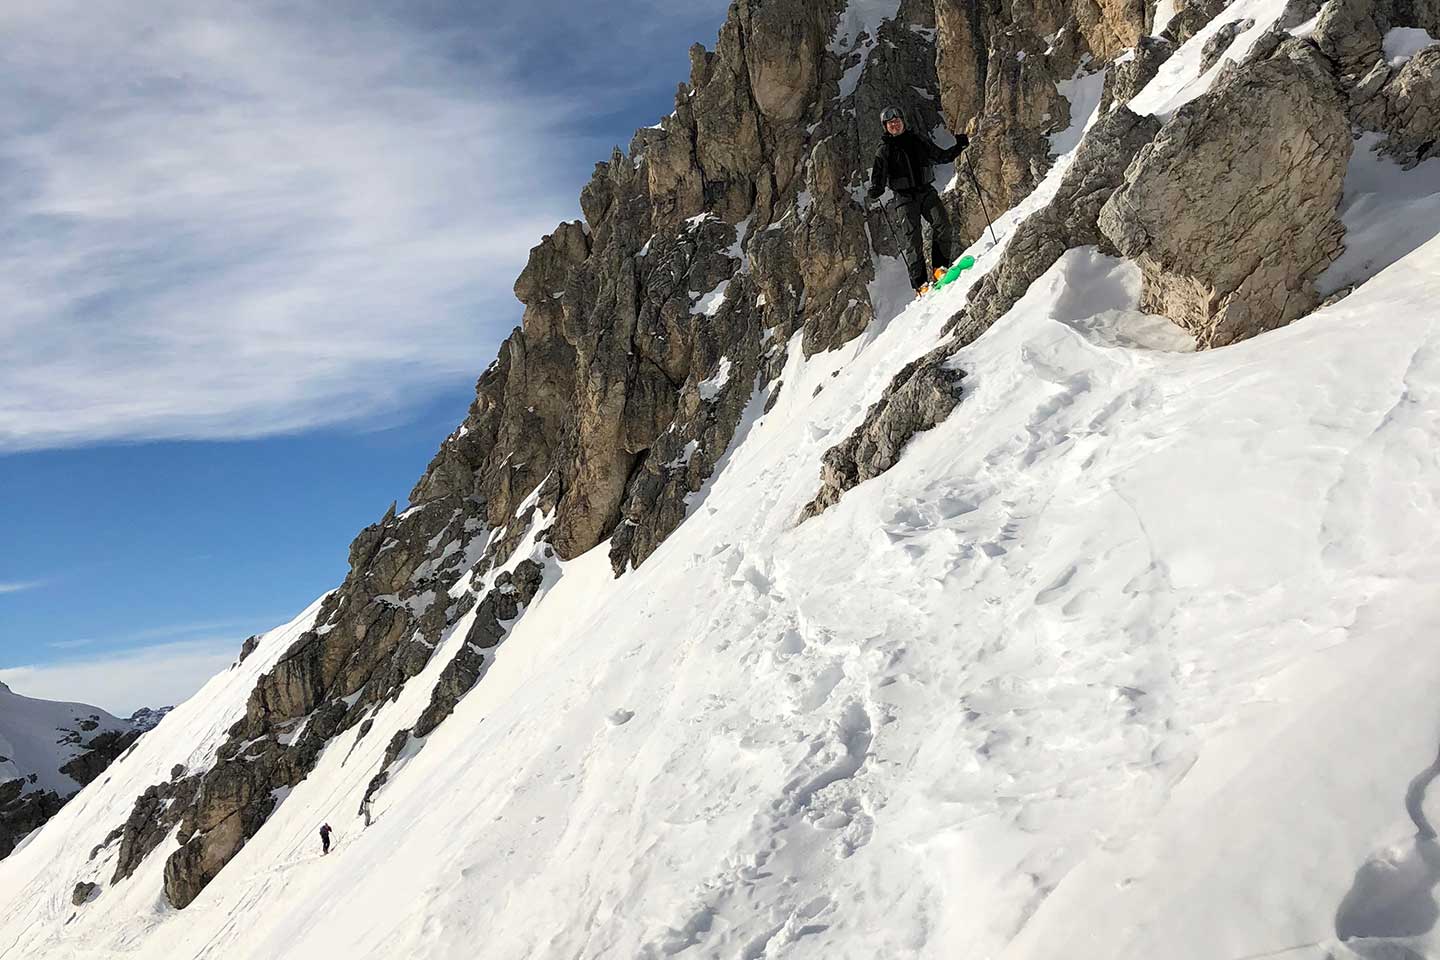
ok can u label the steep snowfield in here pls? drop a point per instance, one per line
(1132, 657)
(40, 736)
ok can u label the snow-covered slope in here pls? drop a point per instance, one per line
(38, 737)
(1136, 640)
(1131, 657)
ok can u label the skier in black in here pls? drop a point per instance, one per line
(904, 163)
(324, 839)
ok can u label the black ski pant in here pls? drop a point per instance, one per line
(912, 208)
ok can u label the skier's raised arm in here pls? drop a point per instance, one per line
(947, 154)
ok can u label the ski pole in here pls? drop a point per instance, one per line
(899, 241)
(979, 195)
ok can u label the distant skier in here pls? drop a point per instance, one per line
(904, 163)
(324, 839)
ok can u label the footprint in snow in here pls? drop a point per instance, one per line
(620, 717)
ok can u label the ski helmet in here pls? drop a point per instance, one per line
(891, 113)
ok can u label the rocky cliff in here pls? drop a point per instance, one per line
(735, 232)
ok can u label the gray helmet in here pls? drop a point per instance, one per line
(891, 113)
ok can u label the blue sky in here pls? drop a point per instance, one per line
(255, 256)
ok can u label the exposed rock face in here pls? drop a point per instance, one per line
(510, 595)
(1191, 18)
(1127, 78)
(1427, 16)
(1352, 33)
(99, 753)
(1231, 210)
(83, 892)
(962, 56)
(148, 718)
(512, 592)
(1403, 103)
(231, 803)
(1220, 41)
(248, 647)
(1110, 26)
(920, 396)
(22, 811)
(1022, 108)
(155, 814)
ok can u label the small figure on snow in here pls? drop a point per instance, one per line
(324, 839)
(904, 162)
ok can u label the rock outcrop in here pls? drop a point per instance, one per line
(22, 810)
(1129, 75)
(1230, 212)
(920, 396)
(1191, 17)
(156, 812)
(100, 751)
(1220, 41)
(1404, 104)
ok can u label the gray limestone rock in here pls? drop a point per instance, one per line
(1128, 77)
(920, 396)
(1220, 41)
(1352, 33)
(249, 647)
(1192, 17)
(1404, 104)
(1231, 210)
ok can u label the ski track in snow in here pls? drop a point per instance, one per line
(1129, 658)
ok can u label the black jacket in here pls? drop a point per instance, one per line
(903, 163)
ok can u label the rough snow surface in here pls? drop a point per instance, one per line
(1048, 688)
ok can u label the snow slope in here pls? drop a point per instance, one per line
(1132, 643)
(38, 737)
(1132, 657)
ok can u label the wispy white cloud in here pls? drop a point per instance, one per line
(205, 627)
(152, 676)
(20, 586)
(235, 219)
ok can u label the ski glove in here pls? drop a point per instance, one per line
(950, 153)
